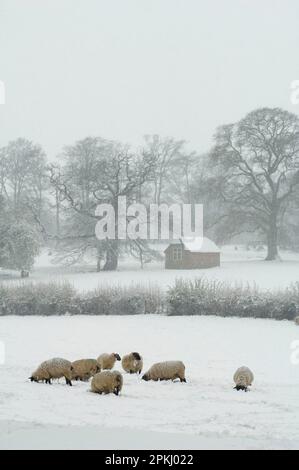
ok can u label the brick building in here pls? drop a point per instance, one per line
(194, 253)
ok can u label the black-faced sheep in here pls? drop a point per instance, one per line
(169, 370)
(53, 369)
(107, 361)
(243, 378)
(84, 369)
(107, 382)
(132, 363)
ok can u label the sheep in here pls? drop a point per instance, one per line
(107, 382)
(243, 378)
(297, 320)
(169, 370)
(84, 369)
(132, 363)
(53, 369)
(107, 361)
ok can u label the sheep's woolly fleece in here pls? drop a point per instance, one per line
(107, 382)
(243, 378)
(169, 370)
(84, 369)
(132, 363)
(107, 361)
(53, 369)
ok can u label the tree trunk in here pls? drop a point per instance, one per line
(141, 259)
(272, 240)
(111, 263)
(24, 273)
(57, 217)
(57, 214)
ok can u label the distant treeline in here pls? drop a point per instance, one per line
(248, 183)
(198, 297)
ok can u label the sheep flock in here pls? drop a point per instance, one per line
(104, 380)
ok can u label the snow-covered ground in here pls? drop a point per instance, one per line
(204, 413)
(241, 266)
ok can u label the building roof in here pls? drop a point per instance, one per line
(197, 245)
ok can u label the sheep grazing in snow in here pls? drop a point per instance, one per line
(53, 369)
(169, 370)
(107, 361)
(84, 369)
(132, 363)
(297, 321)
(107, 382)
(243, 378)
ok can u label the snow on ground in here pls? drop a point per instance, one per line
(237, 267)
(204, 413)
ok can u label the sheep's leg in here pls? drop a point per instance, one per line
(116, 391)
(68, 382)
(183, 380)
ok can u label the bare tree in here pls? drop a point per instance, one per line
(22, 176)
(258, 167)
(163, 152)
(95, 171)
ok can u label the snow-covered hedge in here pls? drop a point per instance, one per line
(38, 299)
(196, 297)
(202, 297)
(122, 301)
(62, 299)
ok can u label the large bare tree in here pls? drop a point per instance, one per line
(258, 168)
(95, 171)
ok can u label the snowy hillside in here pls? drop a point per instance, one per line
(204, 413)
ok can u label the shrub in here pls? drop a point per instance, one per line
(196, 297)
(38, 299)
(62, 299)
(202, 297)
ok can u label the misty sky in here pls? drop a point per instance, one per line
(124, 68)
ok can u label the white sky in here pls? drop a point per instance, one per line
(125, 68)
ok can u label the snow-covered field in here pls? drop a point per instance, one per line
(204, 413)
(246, 267)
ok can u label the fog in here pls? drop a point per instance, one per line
(125, 68)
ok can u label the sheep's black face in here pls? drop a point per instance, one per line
(33, 379)
(117, 357)
(118, 381)
(145, 377)
(98, 370)
(136, 356)
(241, 387)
